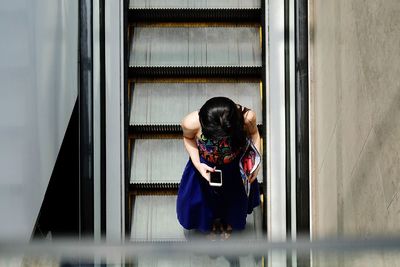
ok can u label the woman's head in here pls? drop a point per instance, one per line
(220, 117)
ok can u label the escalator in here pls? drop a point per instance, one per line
(182, 53)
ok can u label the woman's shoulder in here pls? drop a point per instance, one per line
(250, 121)
(191, 123)
(249, 117)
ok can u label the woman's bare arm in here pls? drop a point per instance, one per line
(250, 122)
(191, 126)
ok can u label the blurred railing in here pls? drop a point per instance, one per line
(379, 251)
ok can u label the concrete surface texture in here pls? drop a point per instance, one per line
(355, 121)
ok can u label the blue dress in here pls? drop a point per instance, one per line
(199, 204)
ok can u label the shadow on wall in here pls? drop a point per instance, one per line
(59, 214)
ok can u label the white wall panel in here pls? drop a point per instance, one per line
(114, 68)
(38, 89)
(276, 182)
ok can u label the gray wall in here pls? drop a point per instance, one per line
(38, 88)
(355, 118)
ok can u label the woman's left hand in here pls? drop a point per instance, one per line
(253, 176)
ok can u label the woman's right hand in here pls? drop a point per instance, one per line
(204, 170)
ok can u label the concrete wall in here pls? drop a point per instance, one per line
(355, 117)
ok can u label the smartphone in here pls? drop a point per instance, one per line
(216, 178)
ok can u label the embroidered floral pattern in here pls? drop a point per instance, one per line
(217, 151)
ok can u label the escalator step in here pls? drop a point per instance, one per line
(174, 129)
(199, 261)
(157, 162)
(168, 103)
(199, 72)
(154, 219)
(196, 47)
(194, 4)
(155, 128)
(226, 15)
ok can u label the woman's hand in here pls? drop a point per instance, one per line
(204, 170)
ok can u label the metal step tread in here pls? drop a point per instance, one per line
(151, 186)
(133, 4)
(196, 47)
(193, 8)
(198, 72)
(167, 103)
(154, 219)
(210, 15)
(159, 163)
(164, 129)
(199, 261)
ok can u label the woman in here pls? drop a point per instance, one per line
(214, 137)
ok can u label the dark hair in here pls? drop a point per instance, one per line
(220, 117)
